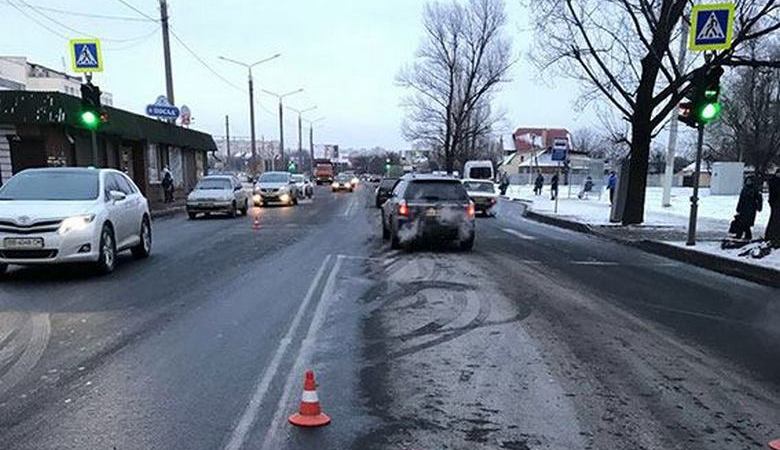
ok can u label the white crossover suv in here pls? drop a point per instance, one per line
(63, 215)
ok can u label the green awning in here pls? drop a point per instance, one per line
(53, 108)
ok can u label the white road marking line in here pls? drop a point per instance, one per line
(307, 346)
(244, 425)
(350, 207)
(595, 263)
(518, 234)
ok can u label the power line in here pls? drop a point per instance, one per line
(69, 28)
(81, 14)
(141, 40)
(130, 5)
(214, 71)
(49, 29)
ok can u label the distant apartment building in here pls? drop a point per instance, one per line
(18, 74)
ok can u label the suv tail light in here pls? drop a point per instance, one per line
(470, 210)
(403, 209)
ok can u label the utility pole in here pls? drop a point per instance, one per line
(281, 134)
(227, 135)
(251, 101)
(300, 132)
(311, 148)
(673, 125)
(252, 121)
(167, 51)
(281, 97)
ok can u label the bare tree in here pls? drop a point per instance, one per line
(750, 130)
(622, 52)
(464, 56)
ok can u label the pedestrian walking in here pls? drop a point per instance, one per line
(554, 186)
(772, 234)
(749, 204)
(587, 187)
(538, 184)
(504, 183)
(167, 185)
(612, 185)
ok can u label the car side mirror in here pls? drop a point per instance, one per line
(116, 196)
(237, 188)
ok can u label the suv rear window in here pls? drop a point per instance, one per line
(436, 191)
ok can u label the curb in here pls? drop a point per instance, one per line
(726, 266)
(156, 214)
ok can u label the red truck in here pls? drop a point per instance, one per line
(323, 171)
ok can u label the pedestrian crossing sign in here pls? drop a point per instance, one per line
(85, 55)
(712, 26)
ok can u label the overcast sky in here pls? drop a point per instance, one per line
(345, 54)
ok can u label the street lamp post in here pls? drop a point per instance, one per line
(300, 133)
(281, 119)
(251, 99)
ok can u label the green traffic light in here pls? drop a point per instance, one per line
(710, 111)
(89, 119)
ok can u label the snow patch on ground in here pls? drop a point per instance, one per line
(771, 261)
(715, 211)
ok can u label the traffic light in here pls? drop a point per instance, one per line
(291, 166)
(90, 115)
(704, 105)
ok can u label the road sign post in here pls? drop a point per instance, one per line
(712, 26)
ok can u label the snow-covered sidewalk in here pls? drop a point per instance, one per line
(666, 225)
(715, 211)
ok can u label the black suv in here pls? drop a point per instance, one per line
(428, 207)
(384, 190)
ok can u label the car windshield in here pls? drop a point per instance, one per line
(435, 190)
(481, 173)
(479, 186)
(274, 178)
(51, 185)
(207, 184)
(298, 178)
(343, 177)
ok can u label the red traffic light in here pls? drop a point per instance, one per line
(686, 115)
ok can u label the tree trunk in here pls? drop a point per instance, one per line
(637, 172)
(641, 135)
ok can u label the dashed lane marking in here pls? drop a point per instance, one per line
(244, 424)
(518, 234)
(595, 263)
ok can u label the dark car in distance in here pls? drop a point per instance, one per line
(428, 208)
(384, 190)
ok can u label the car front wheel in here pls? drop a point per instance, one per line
(144, 247)
(245, 208)
(107, 257)
(3, 268)
(467, 244)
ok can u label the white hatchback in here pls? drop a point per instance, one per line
(64, 215)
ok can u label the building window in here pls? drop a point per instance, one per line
(163, 157)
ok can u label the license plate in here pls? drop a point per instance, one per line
(23, 243)
(431, 212)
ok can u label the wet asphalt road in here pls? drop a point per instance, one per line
(540, 338)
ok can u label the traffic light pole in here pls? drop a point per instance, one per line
(695, 197)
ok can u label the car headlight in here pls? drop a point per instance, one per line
(256, 198)
(76, 223)
(335, 184)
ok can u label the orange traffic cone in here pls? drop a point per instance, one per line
(309, 414)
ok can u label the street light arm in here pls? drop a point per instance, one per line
(274, 94)
(234, 61)
(265, 60)
(287, 94)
